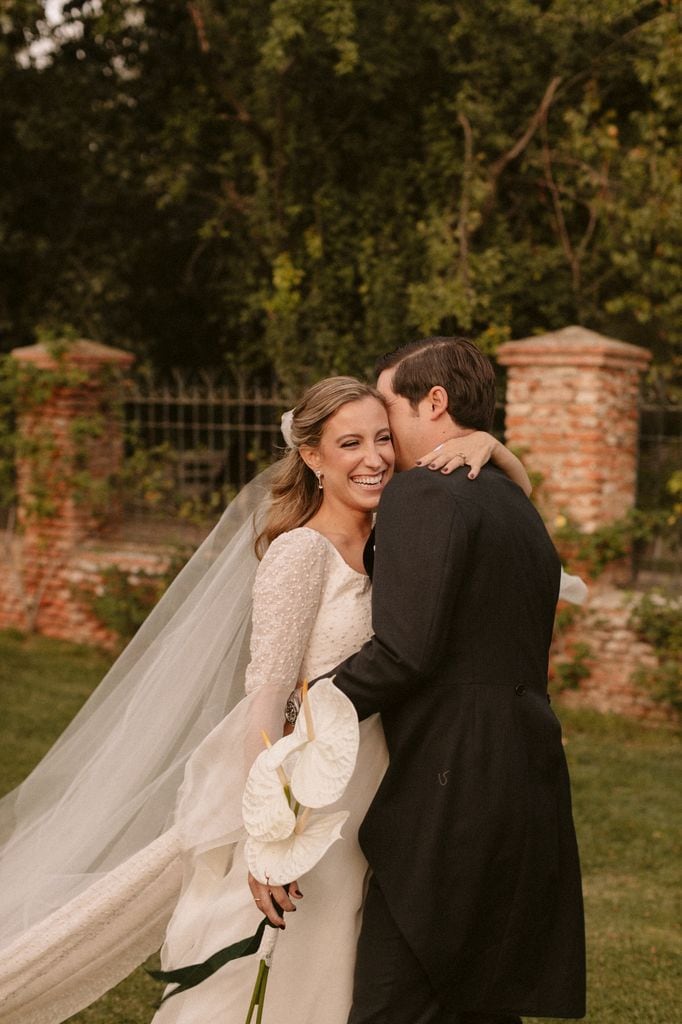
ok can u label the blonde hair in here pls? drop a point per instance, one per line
(296, 495)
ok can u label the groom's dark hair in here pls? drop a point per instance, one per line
(455, 364)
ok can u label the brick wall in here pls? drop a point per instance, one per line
(50, 593)
(572, 404)
(572, 410)
(616, 653)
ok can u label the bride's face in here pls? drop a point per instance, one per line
(355, 455)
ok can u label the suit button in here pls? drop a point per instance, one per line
(519, 690)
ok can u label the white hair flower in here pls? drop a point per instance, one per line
(286, 424)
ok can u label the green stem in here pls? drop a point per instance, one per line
(255, 996)
(261, 997)
(258, 995)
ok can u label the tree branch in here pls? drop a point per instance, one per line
(536, 120)
(562, 230)
(199, 26)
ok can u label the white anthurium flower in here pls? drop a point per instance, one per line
(265, 808)
(320, 767)
(278, 863)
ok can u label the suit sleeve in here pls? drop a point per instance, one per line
(421, 548)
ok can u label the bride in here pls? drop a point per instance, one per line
(96, 868)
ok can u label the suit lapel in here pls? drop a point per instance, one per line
(368, 555)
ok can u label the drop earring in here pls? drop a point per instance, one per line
(318, 474)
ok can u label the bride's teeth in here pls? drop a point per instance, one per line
(367, 479)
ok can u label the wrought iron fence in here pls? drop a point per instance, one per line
(660, 452)
(208, 435)
(660, 456)
(211, 435)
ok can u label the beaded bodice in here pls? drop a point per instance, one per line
(311, 610)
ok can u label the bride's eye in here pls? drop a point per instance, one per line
(349, 444)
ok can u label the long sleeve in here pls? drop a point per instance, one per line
(421, 546)
(286, 600)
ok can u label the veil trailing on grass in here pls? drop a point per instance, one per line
(108, 786)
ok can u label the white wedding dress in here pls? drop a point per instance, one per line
(310, 611)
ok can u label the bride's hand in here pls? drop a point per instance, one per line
(474, 450)
(264, 895)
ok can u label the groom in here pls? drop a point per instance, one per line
(474, 909)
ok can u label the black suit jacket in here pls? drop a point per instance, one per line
(470, 834)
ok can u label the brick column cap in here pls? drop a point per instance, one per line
(573, 346)
(81, 353)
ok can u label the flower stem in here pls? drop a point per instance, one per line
(300, 825)
(258, 995)
(307, 712)
(280, 771)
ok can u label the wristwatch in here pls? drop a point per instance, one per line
(292, 706)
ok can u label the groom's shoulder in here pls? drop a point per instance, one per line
(421, 481)
(413, 488)
(418, 480)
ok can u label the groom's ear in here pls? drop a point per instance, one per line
(437, 400)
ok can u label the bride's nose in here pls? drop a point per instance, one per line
(374, 459)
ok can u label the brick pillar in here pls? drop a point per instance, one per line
(572, 407)
(68, 418)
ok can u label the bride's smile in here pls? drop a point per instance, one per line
(355, 457)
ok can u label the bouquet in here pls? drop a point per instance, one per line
(288, 785)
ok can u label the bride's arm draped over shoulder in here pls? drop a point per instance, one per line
(478, 448)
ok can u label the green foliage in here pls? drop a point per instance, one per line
(574, 667)
(25, 389)
(146, 479)
(302, 185)
(658, 620)
(614, 541)
(125, 599)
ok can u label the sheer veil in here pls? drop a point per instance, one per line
(108, 786)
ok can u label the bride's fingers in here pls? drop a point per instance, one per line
(281, 896)
(265, 904)
(262, 895)
(442, 461)
(475, 465)
(433, 459)
(456, 462)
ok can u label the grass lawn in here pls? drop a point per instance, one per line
(627, 787)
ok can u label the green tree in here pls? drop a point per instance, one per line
(303, 184)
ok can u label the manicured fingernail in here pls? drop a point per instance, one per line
(418, 462)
